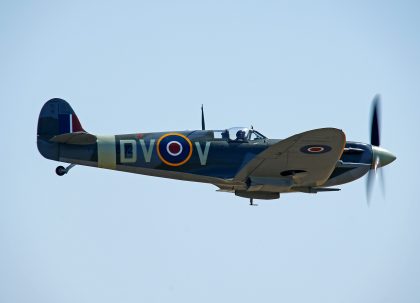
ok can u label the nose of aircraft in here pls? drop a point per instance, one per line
(385, 157)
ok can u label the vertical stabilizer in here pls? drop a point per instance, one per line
(56, 118)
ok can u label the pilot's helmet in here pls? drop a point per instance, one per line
(240, 134)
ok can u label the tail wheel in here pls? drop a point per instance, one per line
(60, 170)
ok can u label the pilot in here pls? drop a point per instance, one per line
(225, 134)
(240, 135)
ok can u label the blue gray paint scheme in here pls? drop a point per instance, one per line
(210, 160)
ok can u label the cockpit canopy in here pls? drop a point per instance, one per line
(240, 134)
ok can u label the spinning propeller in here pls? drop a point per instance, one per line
(380, 156)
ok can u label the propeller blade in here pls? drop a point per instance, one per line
(380, 156)
(371, 176)
(370, 179)
(203, 123)
(382, 178)
(375, 121)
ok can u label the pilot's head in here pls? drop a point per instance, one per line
(240, 135)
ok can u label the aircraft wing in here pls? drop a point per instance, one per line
(305, 159)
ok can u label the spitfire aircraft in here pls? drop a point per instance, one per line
(239, 160)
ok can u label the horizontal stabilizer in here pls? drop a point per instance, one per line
(80, 138)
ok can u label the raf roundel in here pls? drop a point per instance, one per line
(315, 149)
(174, 149)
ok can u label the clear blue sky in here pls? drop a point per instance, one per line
(284, 67)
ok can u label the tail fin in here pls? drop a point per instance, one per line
(56, 118)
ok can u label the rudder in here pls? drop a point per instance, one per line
(56, 118)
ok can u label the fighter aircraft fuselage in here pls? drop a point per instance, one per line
(239, 160)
